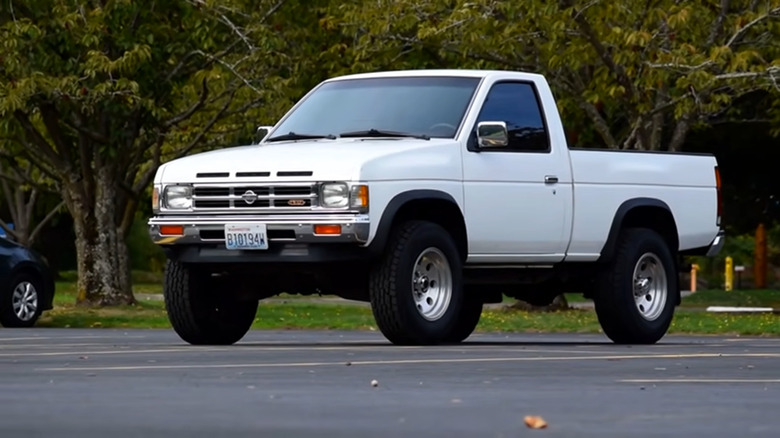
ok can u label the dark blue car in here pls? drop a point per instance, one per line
(26, 285)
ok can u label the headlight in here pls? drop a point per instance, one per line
(334, 195)
(178, 197)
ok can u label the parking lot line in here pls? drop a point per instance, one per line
(685, 380)
(128, 351)
(413, 361)
(50, 338)
(187, 349)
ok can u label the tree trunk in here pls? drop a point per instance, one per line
(101, 251)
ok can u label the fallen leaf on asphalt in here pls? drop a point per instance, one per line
(535, 422)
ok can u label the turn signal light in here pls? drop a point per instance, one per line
(359, 196)
(331, 230)
(155, 199)
(171, 230)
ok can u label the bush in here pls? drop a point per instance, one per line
(741, 248)
(145, 255)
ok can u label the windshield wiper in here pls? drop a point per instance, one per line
(377, 133)
(294, 136)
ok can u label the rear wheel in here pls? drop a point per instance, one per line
(636, 297)
(199, 312)
(20, 304)
(416, 289)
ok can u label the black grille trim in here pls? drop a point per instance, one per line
(295, 173)
(211, 191)
(210, 203)
(293, 191)
(260, 191)
(251, 174)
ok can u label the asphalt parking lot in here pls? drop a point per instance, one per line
(143, 383)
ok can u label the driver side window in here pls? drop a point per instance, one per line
(516, 104)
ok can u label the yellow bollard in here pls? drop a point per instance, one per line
(694, 268)
(729, 273)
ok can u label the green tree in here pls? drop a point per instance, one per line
(641, 73)
(102, 92)
(21, 188)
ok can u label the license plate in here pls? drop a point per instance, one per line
(246, 236)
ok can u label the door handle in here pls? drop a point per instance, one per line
(550, 179)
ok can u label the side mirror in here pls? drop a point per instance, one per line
(492, 135)
(261, 133)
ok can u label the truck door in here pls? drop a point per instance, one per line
(517, 198)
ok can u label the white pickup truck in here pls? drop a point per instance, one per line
(427, 194)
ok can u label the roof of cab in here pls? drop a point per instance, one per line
(440, 72)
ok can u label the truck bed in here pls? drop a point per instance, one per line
(604, 179)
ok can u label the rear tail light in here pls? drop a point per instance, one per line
(719, 194)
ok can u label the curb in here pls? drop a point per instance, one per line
(726, 309)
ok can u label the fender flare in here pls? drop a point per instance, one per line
(388, 215)
(608, 250)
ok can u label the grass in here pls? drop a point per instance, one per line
(300, 313)
(738, 298)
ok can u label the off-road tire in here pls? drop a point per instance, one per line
(470, 314)
(392, 294)
(199, 312)
(615, 302)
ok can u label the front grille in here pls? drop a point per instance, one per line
(251, 198)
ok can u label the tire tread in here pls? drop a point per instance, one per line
(384, 293)
(615, 308)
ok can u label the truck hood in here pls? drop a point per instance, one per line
(319, 160)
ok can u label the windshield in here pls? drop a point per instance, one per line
(418, 106)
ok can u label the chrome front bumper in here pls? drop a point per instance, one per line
(281, 228)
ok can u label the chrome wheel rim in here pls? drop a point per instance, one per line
(650, 286)
(432, 284)
(25, 301)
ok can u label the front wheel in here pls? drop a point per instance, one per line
(636, 295)
(20, 304)
(416, 289)
(201, 313)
